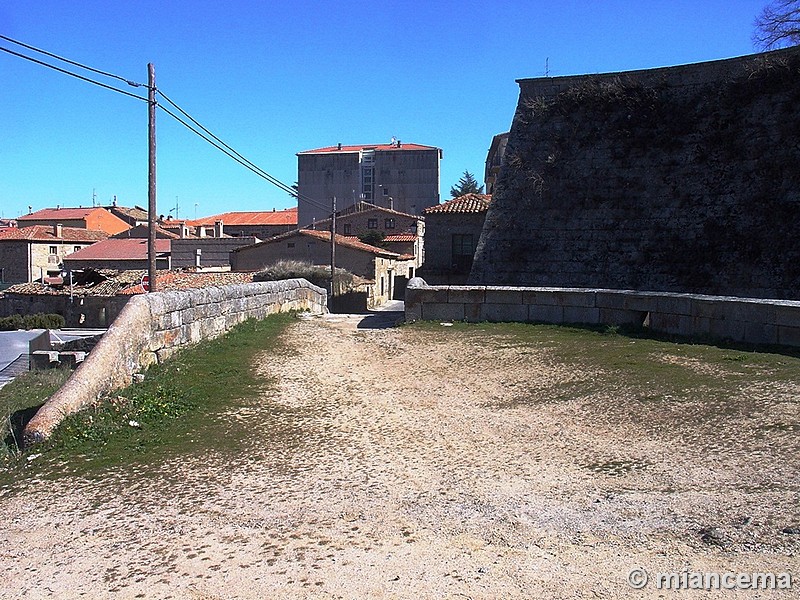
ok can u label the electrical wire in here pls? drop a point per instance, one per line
(72, 62)
(275, 181)
(71, 74)
(200, 130)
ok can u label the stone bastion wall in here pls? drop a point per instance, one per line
(152, 327)
(680, 179)
(748, 320)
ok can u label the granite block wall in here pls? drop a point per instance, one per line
(152, 327)
(680, 179)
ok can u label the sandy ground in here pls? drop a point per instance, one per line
(405, 466)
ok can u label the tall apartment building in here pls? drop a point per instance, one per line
(398, 176)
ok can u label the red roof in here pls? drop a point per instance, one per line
(468, 203)
(58, 213)
(46, 233)
(376, 147)
(119, 249)
(347, 242)
(400, 237)
(167, 281)
(263, 217)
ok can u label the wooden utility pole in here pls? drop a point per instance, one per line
(333, 246)
(151, 177)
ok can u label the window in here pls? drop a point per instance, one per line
(76, 248)
(53, 249)
(463, 248)
(290, 244)
(385, 191)
(347, 229)
(388, 224)
(372, 223)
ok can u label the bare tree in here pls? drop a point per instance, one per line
(778, 25)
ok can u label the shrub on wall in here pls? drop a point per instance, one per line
(37, 321)
(319, 275)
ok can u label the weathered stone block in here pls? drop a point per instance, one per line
(467, 295)
(671, 323)
(787, 314)
(674, 304)
(503, 295)
(614, 316)
(581, 314)
(473, 313)
(442, 311)
(788, 335)
(545, 313)
(504, 312)
(760, 333)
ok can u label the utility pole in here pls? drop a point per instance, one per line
(151, 177)
(333, 246)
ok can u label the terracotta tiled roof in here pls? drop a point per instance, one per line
(341, 240)
(112, 282)
(46, 233)
(143, 231)
(263, 217)
(376, 147)
(51, 214)
(400, 237)
(365, 207)
(168, 281)
(469, 203)
(118, 249)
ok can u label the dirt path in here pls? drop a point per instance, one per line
(394, 463)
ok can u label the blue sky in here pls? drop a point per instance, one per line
(275, 78)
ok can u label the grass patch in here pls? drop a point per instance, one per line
(20, 398)
(175, 410)
(651, 368)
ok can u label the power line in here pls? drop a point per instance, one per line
(203, 132)
(71, 74)
(72, 62)
(228, 150)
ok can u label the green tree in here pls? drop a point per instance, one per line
(466, 185)
(778, 25)
(373, 238)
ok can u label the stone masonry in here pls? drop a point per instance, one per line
(681, 179)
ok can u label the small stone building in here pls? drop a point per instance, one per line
(385, 270)
(452, 231)
(37, 252)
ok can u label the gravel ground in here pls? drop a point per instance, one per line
(405, 464)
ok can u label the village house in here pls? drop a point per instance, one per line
(119, 253)
(398, 176)
(261, 224)
(399, 232)
(37, 252)
(95, 219)
(387, 272)
(452, 233)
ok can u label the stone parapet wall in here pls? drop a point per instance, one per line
(153, 327)
(749, 320)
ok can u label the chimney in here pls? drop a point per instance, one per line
(339, 146)
(218, 229)
(58, 230)
(201, 231)
(184, 230)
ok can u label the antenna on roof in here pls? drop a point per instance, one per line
(94, 197)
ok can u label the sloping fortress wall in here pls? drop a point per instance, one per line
(682, 179)
(152, 327)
